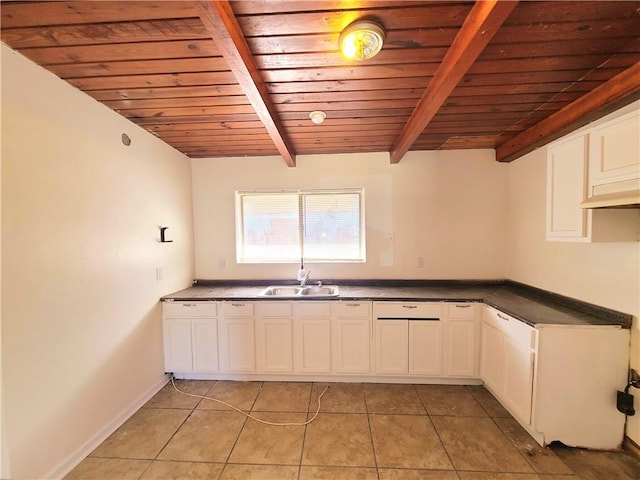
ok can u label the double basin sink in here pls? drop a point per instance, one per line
(289, 291)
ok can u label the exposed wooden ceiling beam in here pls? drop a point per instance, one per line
(483, 21)
(611, 95)
(221, 23)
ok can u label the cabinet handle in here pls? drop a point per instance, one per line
(410, 306)
(351, 304)
(506, 319)
(237, 304)
(189, 305)
(462, 306)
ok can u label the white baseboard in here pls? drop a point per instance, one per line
(337, 378)
(90, 445)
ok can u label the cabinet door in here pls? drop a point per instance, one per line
(566, 188)
(615, 150)
(461, 348)
(391, 351)
(177, 345)
(312, 341)
(518, 379)
(274, 345)
(237, 344)
(204, 338)
(492, 358)
(350, 345)
(425, 347)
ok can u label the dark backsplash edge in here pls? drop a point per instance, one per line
(569, 302)
(359, 282)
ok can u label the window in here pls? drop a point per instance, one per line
(317, 225)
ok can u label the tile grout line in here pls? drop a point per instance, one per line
(246, 419)
(304, 435)
(373, 447)
(155, 458)
(435, 429)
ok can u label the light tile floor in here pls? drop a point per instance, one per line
(364, 431)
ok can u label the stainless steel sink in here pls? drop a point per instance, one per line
(281, 291)
(323, 291)
(289, 291)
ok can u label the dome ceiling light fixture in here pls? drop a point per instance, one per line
(317, 116)
(362, 40)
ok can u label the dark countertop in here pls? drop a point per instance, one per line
(531, 305)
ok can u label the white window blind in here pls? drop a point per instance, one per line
(318, 225)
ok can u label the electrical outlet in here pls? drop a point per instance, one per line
(222, 264)
(158, 274)
(420, 262)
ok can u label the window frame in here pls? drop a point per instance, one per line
(243, 258)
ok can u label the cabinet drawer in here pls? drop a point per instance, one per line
(237, 309)
(519, 332)
(352, 309)
(189, 309)
(274, 309)
(408, 310)
(312, 309)
(461, 310)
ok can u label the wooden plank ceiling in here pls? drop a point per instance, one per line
(235, 78)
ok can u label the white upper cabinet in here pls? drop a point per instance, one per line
(615, 151)
(566, 188)
(595, 161)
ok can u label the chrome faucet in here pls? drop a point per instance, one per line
(304, 279)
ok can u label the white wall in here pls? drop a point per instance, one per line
(81, 323)
(447, 207)
(606, 274)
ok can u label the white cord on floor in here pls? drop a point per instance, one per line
(277, 424)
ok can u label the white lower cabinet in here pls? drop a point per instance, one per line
(518, 378)
(190, 331)
(508, 361)
(274, 337)
(408, 338)
(351, 337)
(237, 337)
(558, 381)
(204, 340)
(391, 346)
(312, 337)
(425, 347)
(492, 361)
(178, 350)
(462, 340)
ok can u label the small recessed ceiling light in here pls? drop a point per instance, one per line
(362, 40)
(317, 116)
